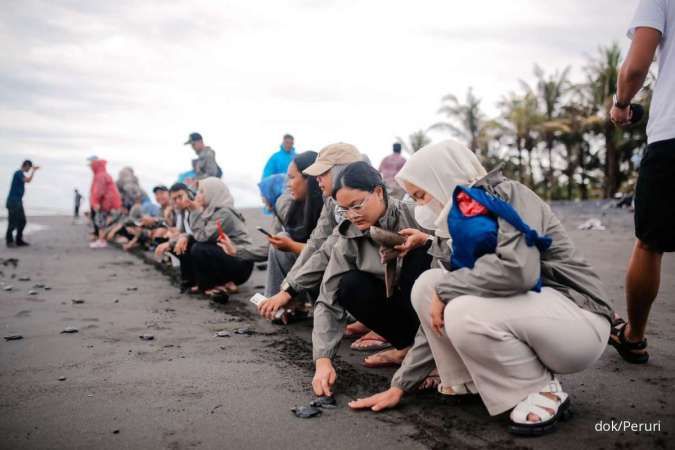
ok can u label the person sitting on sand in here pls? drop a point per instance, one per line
(105, 201)
(153, 228)
(180, 239)
(299, 209)
(517, 306)
(222, 255)
(354, 279)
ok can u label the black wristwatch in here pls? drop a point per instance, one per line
(620, 105)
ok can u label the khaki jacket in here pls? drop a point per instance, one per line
(352, 250)
(514, 269)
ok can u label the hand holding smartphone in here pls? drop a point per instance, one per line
(264, 231)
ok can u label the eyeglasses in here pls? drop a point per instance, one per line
(352, 211)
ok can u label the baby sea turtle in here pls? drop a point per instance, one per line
(77, 301)
(13, 337)
(70, 330)
(324, 402)
(146, 337)
(306, 412)
(32, 292)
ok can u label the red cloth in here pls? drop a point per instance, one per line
(470, 207)
(104, 193)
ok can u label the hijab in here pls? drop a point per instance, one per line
(438, 169)
(216, 196)
(303, 214)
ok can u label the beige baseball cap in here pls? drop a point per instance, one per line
(331, 155)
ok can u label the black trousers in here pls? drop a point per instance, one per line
(364, 296)
(207, 265)
(92, 216)
(16, 220)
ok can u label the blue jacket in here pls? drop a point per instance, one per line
(278, 162)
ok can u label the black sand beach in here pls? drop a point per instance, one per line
(190, 389)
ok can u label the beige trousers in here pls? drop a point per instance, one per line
(509, 347)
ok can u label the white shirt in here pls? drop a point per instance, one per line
(660, 15)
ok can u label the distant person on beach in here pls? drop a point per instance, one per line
(652, 27)
(389, 167)
(281, 159)
(16, 217)
(105, 200)
(77, 200)
(205, 164)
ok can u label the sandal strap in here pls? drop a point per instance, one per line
(621, 333)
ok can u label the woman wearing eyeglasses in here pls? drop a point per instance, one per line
(354, 278)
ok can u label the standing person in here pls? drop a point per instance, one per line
(205, 165)
(78, 200)
(389, 167)
(105, 199)
(279, 161)
(651, 27)
(16, 217)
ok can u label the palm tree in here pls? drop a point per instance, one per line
(602, 73)
(416, 141)
(522, 118)
(464, 120)
(551, 90)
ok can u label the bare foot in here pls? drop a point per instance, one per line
(356, 329)
(386, 358)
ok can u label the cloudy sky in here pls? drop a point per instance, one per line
(129, 80)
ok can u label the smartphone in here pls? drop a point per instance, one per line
(264, 231)
(221, 234)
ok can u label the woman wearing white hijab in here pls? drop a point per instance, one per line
(520, 313)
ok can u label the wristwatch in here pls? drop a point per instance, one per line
(620, 105)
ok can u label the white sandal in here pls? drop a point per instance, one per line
(458, 389)
(537, 404)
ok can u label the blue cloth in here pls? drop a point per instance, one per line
(473, 237)
(272, 187)
(17, 187)
(150, 209)
(278, 162)
(185, 175)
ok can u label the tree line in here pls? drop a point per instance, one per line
(554, 135)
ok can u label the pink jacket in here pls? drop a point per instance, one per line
(104, 192)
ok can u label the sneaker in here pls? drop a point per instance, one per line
(98, 244)
(22, 243)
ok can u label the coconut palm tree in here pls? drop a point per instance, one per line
(551, 90)
(464, 120)
(602, 73)
(416, 141)
(522, 117)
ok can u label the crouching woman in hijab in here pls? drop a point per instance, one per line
(514, 306)
(222, 254)
(354, 278)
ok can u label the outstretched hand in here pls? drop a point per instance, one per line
(414, 238)
(378, 402)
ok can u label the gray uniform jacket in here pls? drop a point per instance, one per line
(352, 250)
(205, 165)
(308, 269)
(514, 269)
(233, 224)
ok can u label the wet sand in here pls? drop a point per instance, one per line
(190, 389)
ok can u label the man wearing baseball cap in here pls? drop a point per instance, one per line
(306, 273)
(205, 164)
